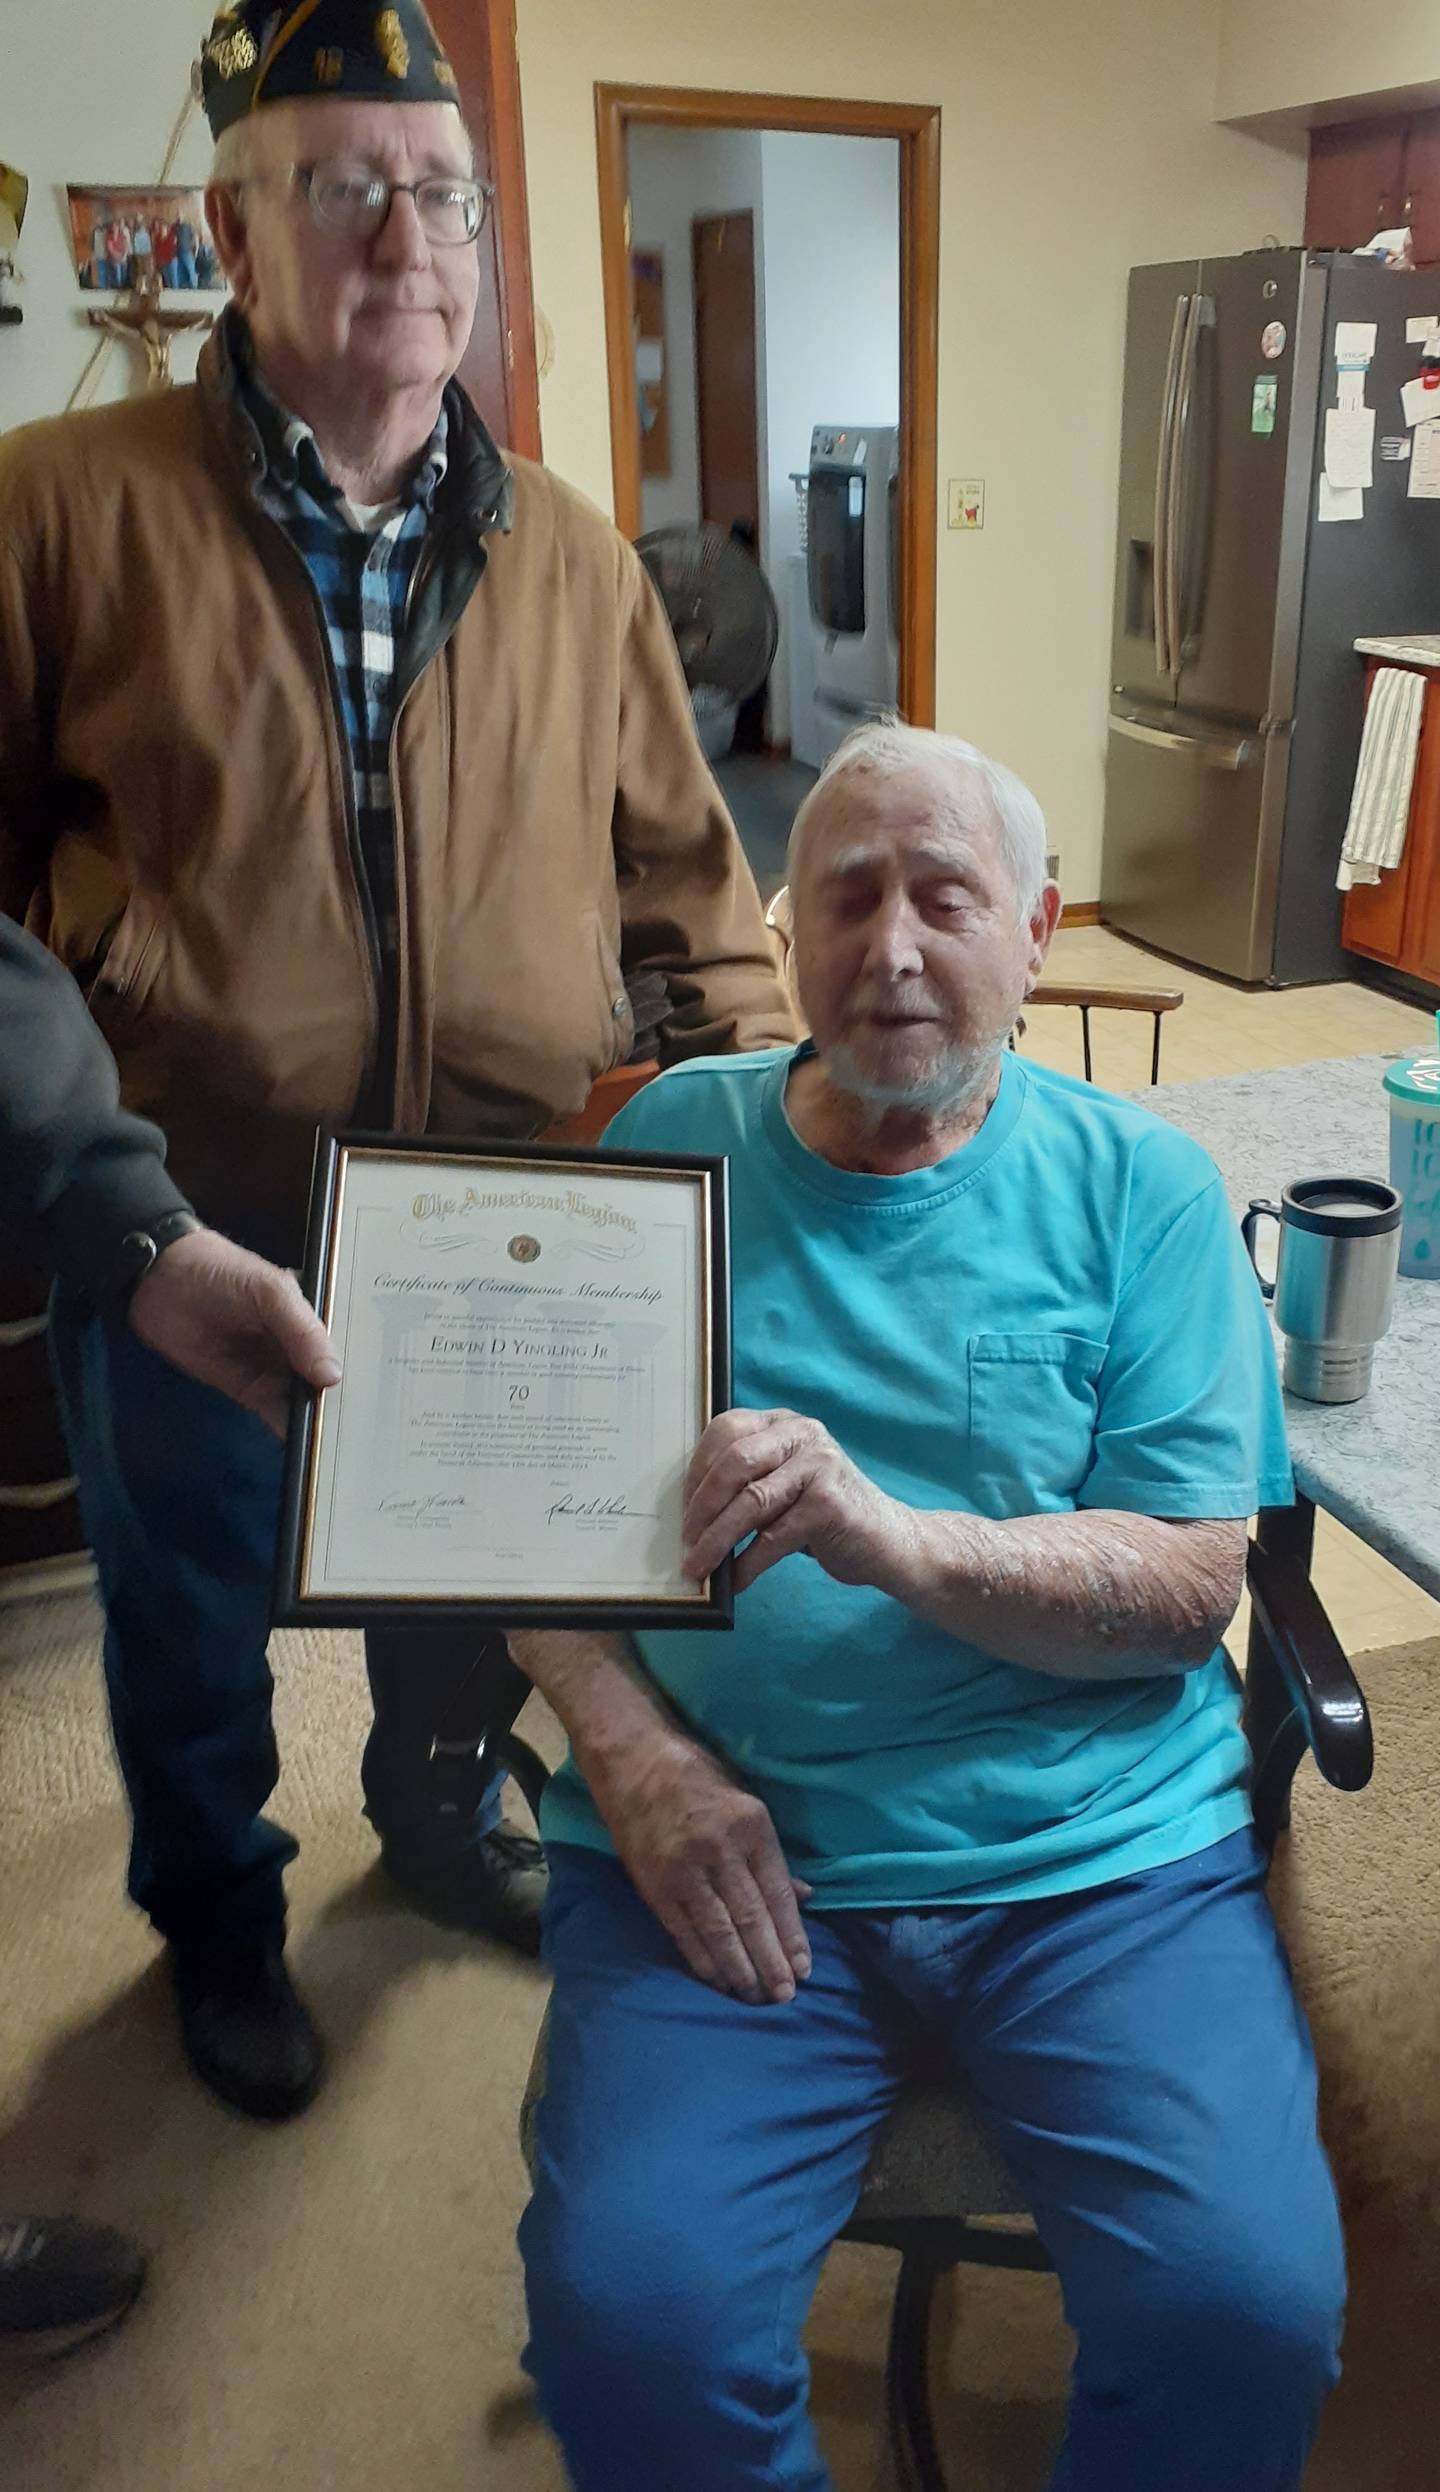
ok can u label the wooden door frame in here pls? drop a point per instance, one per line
(917, 128)
(482, 44)
(518, 301)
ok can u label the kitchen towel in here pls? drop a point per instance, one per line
(1380, 805)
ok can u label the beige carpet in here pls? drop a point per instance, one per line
(338, 2304)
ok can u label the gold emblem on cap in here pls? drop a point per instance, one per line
(329, 65)
(391, 44)
(230, 55)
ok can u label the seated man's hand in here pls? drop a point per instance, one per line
(786, 1480)
(234, 1321)
(705, 1857)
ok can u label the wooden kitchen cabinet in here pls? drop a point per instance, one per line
(1366, 176)
(1357, 175)
(1420, 199)
(1397, 920)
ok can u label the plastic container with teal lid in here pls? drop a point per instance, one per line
(1414, 1088)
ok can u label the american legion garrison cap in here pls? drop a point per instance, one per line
(258, 53)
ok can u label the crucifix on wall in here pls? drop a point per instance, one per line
(143, 320)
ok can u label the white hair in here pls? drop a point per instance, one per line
(235, 154)
(887, 747)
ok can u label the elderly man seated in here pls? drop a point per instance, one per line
(969, 1776)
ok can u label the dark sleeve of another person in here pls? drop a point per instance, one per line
(76, 1170)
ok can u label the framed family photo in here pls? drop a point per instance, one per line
(120, 236)
(14, 192)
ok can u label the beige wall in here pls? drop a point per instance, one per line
(1077, 141)
(1277, 55)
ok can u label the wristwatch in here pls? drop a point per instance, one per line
(139, 1249)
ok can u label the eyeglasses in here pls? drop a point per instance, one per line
(348, 196)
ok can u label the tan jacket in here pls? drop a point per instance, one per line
(176, 815)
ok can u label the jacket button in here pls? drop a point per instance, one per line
(617, 1009)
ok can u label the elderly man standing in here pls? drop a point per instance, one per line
(351, 769)
(970, 1775)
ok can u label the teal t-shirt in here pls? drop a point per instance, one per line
(1059, 1315)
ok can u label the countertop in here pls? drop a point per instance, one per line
(1374, 1464)
(1422, 649)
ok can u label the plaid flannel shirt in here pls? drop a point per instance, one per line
(363, 577)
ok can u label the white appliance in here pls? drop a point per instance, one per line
(852, 560)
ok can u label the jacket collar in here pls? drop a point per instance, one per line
(478, 485)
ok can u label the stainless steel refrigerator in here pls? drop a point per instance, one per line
(1236, 695)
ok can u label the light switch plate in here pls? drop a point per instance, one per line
(966, 502)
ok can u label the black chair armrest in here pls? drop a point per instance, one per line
(1300, 1691)
(524, 1767)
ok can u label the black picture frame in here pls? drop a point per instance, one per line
(293, 1605)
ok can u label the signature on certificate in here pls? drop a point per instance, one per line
(571, 1509)
(411, 1508)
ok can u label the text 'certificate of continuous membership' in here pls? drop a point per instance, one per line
(533, 1342)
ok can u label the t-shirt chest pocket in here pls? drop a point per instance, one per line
(1034, 1398)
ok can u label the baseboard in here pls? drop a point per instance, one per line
(1390, 981)
(1080, 913)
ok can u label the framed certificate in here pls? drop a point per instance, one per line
(534, 1339)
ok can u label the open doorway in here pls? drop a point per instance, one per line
(771, 271)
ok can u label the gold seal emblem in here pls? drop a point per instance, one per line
(523, 1249)
(329, 65)
(391, 44)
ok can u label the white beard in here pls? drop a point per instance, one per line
(954, 1079)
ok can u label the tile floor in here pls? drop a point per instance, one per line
(764, 792)
(1226, 1029)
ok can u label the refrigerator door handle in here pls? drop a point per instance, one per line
(1202, 314)
(1215, 752)
(1175, 502)
(1160, 563)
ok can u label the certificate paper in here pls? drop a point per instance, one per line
(533, 1342)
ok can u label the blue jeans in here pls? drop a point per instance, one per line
(180, 1496)
(1136, 2051)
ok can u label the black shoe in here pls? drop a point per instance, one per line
(62, 2282)
(495, 1887)
(247, 2032)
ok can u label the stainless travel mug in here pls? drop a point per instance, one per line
(1334, 1286)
